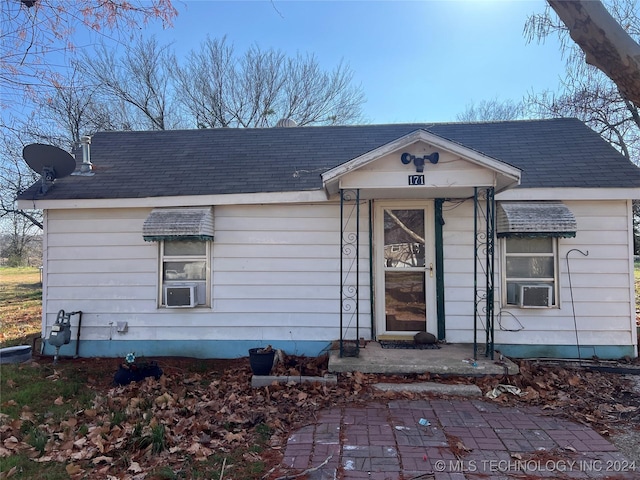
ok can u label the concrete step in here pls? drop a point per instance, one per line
(431, 387)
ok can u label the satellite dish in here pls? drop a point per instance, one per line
(49, 161)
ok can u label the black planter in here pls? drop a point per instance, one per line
(135, 373)
(261, 360)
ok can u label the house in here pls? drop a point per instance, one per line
(512, 236)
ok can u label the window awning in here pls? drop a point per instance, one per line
(535, 219)
(178, 224)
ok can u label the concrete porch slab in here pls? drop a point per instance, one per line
(449, 359)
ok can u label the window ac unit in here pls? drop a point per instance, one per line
(180, 296)
(534, 296)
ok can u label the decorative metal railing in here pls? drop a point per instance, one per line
(484, 269)
(349, 271)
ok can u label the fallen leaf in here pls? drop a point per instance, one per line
(80, 442)
(165, 400)
(530, 393)
(5, 452)
(251, 457)
(622, 409)
(194, 379)
(73, 469)
(102, 458)
(11, 443)
(462, 446)
(98, 442)
(12, 472)
(134, 467)
(43, 459)
(71, 422)
(234, 437)
(27, 415)
(16, 424)
(235, 418)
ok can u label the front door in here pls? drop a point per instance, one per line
(405, 269)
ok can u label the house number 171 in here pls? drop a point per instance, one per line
(416, 179)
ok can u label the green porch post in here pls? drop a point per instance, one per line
(439, 222)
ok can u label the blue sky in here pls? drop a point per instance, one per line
(416, 60)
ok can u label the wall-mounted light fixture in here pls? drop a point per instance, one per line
(419, 162)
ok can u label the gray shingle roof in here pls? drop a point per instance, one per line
(551, 153)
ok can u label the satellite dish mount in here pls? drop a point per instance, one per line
(48, 161)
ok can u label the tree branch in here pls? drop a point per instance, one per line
(605, 43)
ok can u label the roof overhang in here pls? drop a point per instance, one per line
(178, 224)
(535, 219)
(504, 175)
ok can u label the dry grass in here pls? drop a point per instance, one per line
(20, 305)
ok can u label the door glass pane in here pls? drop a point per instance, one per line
(529, 267)
(405, 305)
(404, 238)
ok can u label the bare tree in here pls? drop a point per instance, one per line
(205, 81)
(491, 110)
(140, 80)
(19, 229)
(607, 44)
(35, 38)
(586, 92)
(262, 86)
(67, 113)
(32, 32)
(314, 96)
(15, 177)
(594, 99)
(20, 238)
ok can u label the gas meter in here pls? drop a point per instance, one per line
(61, 331)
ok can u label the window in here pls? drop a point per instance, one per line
(530, 272)
(185, 263)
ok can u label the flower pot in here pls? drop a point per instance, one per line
(350, 350)
(134, 373)
(261, 360)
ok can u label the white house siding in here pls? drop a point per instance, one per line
(602, 291)
(458, 252)
(97, 262)
(276, 270)
(275, 277)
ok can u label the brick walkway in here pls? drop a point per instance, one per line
(388, 442)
